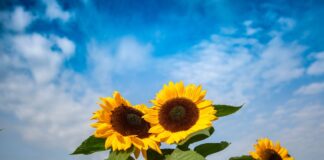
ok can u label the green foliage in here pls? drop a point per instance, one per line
(195, 137)
(121, 155)
(184, 155)
(224, 110)
(153, 155)
(210, 148)
(242, 158)
(91, 145)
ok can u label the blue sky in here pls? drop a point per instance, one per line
(58, 57)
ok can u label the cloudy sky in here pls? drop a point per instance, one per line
(58, 57)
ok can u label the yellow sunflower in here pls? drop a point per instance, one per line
(123, 126)
(179, 111)
(266, 150)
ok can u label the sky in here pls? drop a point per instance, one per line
(58, 57)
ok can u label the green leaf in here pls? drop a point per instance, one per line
(121, 155)
(210, 148)
(224, 110)
(242, 158)
(91, 145)
(195, 137)
(185, 155)
(153, 155)
(130, 158)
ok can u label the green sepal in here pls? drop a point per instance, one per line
(245, 157)
(210, 148)
(184, 155)
(195, 137)
(121, 155)
(224, 110)
(153, 155)
(90, 145)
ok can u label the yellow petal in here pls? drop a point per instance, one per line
(156, 129)
(109, 141)
(118, 98)
(196, 94)
(205, 103)
(137, 142)
(180, 89)
(112, 102)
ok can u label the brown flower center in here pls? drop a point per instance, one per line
(270, 154)
(128, 121)
(178, 114)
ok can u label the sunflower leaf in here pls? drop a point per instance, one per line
(153, 155)
(210, 148)
(224, 110)
(121, 155)
(91, 145)
(184, 155)
(242, 158)
(195, 137)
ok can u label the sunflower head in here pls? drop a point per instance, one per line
(179, 111)
(123, 126)
(266, 150)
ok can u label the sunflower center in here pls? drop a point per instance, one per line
(178, 114)
(128, 121)
(134, 119)
(270, 154)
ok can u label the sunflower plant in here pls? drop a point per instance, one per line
(179, 116)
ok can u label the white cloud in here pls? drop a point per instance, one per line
(300, 123)
(41, 59)
(54, 115)
(50, 115)
(131, 54)
(17, 20)
(66, 45)
(286, 23)
(127, 54)
(100, 64)
(249, 29)
(313, 88)
(234, 70)
(317, 67)
(281, 62)
(123, 57)
(54, 11)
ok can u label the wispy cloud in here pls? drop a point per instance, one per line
(317, 67)
(233, 70)
(54, 11)
(17, 20)
(313, 88)
(43, 61)
(46, 99)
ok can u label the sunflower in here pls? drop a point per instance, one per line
(123, 126)
(179, 111)
(266, 150)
